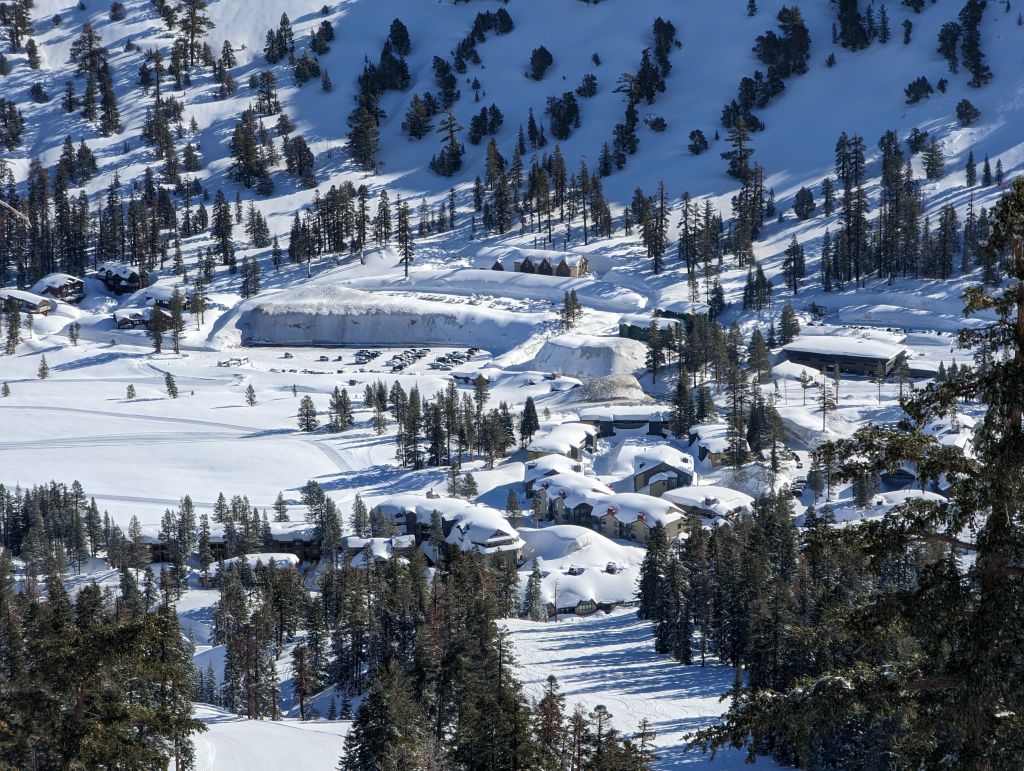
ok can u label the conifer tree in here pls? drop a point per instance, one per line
(44, 369)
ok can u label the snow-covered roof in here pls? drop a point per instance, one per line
(629, 507)
(547, 465)
(721, 501)
(117, 269)
(283, 532)
(53, 281)
(684, 307)
(652, 455)
(842, 345)
(563, 438)
(558, 547)
(626, 413)
(22, 296)
(574, 488)
(366, 551)
(277, 559)
(474, 527)
(132, 313)
(644, 320)
(714, 436)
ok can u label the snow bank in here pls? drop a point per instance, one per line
(468, 282)
(559, 547)
(589, 356)
(335, 315)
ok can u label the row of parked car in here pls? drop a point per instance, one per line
(447, 361)
(400, 361)
(366, 355)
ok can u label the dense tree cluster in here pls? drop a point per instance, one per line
(98, 681)
(879, 643)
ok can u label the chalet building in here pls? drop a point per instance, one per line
(661, 468)
(711, 443)
(119, 278)
(608, 421)
(570, 497)
(711, 501)
(546, 466)
(60, 286)
(28, 302)
(853, 355)
(561, 265)
(133, 318)
(571, 440)
(680, 309)
(632, 516)
(364, 552)
(464, 525)
(162, 297)
(637, 326)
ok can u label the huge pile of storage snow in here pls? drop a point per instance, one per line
(335, 315)
(589, 356)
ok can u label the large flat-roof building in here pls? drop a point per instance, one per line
(853, 355)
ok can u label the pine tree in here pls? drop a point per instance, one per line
(533, 603)
(170, 385)
(130, 394)
(360, 521)
(44, 369)
(529, 424)
(307, 417)
(250, 395)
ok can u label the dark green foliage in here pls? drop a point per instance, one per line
(540, 60)
(917, 90)
(966, 113)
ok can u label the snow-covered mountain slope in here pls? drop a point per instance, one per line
(861, 94)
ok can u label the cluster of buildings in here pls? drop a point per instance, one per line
(662, 477)
(561, 265)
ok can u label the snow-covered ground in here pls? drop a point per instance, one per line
(232, 743)
(610, 660)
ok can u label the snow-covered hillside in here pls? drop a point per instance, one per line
(438, 356)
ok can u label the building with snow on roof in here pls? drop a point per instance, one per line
(466, 526)
(637, 326)
(632, 516)
(365, 552)
(60, 286)
(711, 501)
(119, 278)
(571, 440)
(712, 442)
(660, 468)
(570, 497)
(651, 419)
(27, 302)
(546, 466)
(853, 355)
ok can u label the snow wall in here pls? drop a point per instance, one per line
(334, 315)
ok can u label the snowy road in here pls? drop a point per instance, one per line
(232, 743)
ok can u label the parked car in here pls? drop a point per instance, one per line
(612, 568)
(575, 570)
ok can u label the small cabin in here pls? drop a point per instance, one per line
(27, 302)
(60, 286)
(119, 278)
